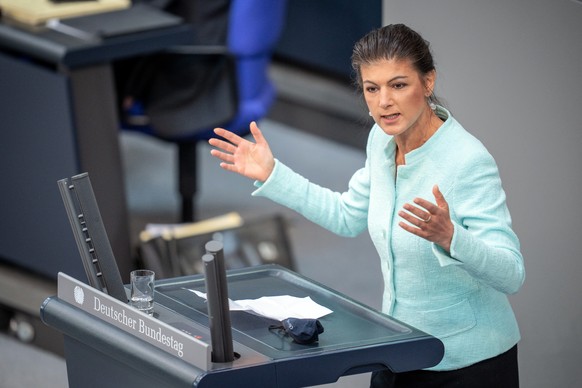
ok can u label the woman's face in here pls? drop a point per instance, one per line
(396, 95)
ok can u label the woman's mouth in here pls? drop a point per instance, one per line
(391, 117)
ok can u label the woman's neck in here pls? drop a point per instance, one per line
(411, 140)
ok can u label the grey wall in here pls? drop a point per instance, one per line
(511, 71)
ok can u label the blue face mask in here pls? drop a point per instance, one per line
(302, 331)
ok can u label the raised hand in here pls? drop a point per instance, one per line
(252, 160)
(429, 221)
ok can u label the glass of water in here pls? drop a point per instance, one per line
(142, 290)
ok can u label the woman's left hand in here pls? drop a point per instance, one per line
(429, 221)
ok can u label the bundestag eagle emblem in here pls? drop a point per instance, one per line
(79, 295)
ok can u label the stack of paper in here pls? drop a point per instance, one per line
(35, 12)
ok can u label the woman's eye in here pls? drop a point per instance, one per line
(399, 85)
(371, 89)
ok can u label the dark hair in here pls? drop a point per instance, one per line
(394, 41)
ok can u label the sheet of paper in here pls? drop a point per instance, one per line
(278, 307)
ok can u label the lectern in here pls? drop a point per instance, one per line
(357, 339)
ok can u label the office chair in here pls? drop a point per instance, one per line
(190, 90)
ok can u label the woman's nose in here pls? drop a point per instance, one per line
(385, 99)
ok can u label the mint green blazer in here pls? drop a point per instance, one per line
(459, 296)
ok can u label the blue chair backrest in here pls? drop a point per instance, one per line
(254, 29)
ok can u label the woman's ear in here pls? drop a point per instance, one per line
(429, 82)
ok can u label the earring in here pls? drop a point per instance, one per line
(369, 113)
(431, 104)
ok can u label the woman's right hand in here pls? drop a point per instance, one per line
(252, 160)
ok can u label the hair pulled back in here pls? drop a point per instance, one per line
(394, 41)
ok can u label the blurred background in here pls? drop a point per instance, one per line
(508, 72)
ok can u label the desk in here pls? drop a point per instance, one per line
(356, 339)
(59, 118)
